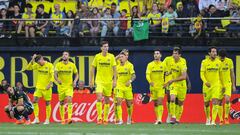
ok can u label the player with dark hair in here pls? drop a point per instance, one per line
(44, 83)
(155, 76)
(106, 79)
(63, 74)
(177, 85)
(19, 105)
(227, 71)
(212, 82)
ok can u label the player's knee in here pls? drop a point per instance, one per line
(206, 104)
(69, 99)
(61, 102)
(227, 99)
(47, 103)
(106, 100)
(35, 100)
(180, 103)
(20, 108)
(6, 109)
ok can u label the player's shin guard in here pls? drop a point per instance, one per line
(156, 112)
(25, 114)
(62, 112)
(48, 111)
(179, 112)
(69, 111)
(207, 111)
(227, 109)
(99, 110)
(36, 110)
(130, 110)
(106, 111)
(119, 112)
(173, 109)
(214, 112)
(116, 113)
(220, 113)
(160, 112)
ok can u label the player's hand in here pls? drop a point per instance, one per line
(189, 86)
(128, 83)
(59, 82)
(74, 84)
(234, 88)
(114, 84)
(91, 84)
(48, 86)
(34, 56)
(223, 89)
(208, 84)
(151, 84)
(11, 114)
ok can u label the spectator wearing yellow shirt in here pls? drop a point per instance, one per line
(153, 15)
(57, 24)
(29, 25)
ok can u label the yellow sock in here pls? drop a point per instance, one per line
(99, 110)
(179, 113)
(69, 111)
(62, 112)
(214, 112)
(36, 110)
(207, 112)
(156, 111)
(119, 112)
(48, 111)
(220, 112)
(172, 109)
(160, 112)
(227, 109)
(115, 112)
(130, 110)
(106, 111)
(176, 111)
(168, 107)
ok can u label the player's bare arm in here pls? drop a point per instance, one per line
(91, 80)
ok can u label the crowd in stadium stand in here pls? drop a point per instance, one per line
(107, 9)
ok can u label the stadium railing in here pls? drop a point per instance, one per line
(185, 31)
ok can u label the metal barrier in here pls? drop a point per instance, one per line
(72, 32)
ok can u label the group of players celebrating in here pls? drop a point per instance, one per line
(116, 74)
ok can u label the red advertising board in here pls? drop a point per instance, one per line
(84, 109)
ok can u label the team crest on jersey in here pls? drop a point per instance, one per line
(46, 67)
(226, 64)
(125, 69)
(217, 65)
(108, 59)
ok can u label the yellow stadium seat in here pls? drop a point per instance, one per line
(71, 6)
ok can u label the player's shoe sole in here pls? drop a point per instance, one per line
(28, 122)
(99, 122)
(69, 121)
(18, 122)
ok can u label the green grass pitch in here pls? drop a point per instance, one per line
(111, 129)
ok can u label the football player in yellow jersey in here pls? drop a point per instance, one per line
(212, 81)
(177, 85)
(167, 61)
(126, 52)
(125, 76)
(63, 74)
(44, 83)
(105, 65)
(227, 71)
(155, 76)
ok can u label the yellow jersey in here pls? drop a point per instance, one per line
(167, 61)
(210, 71)
(155, 73)
(152, 16)
(227, 66)
(65, 73)
(104, 66)
(27, 16)
(124, 74)
(45, 74)
(176, 70)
